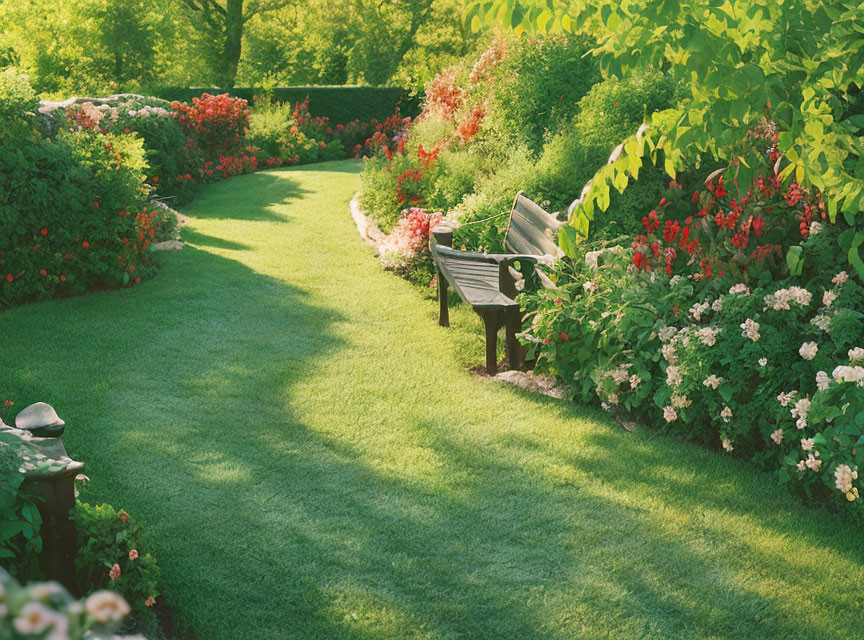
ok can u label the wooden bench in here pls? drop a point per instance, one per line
(487, 281)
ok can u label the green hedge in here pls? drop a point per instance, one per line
(341, 104)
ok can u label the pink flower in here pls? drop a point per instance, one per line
(133, 555)
(115, 572)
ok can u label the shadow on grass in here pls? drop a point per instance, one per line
(257, 200)
(198, 239)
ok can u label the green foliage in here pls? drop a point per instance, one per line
(538, 89)
(797, 62)
(610, 112)
(17, 97)
(110, 540)
(20, 522)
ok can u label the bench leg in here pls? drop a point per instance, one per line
(443, 309)
(514, 349)
(491, 320)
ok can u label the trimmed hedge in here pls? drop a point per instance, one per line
(341, 104)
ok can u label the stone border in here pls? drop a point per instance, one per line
(366, 227)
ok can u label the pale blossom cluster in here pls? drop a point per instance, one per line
(777, 436)
(808, 350)
(667, 333)
(726, 414)
(763, 362)
(727, 445)
(823, 381)
(712, 381)
(812, 462)
(708, 335)
(780, 299)
(822, 321)
(717, 305)
(669, 413)
(840, 278)
(828, 298)
(786, 398)
(844, 475)
(590, 285)
(846, 373)
(698, 309)
(799, 411)
(740, 289)
(807, 444)
(673, 376)
(750, 329)
(856, 353)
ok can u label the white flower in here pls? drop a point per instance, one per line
(812, 462)
(712, 381)
(750, 329)
(785, 398)
(670, 414)
(740, 289)
(717, 305)
(777, 436)
(801, 423)
(840, 278)
(674, 280)
(808, 350)
(822, 321)
(698, 309)
(33, 619)
(726, 414)
(823, 380)
(727, 444)
(800, 411)
(613, 398)
(807, 444)
(845, 475)
(673, 376)
(815, 228)
(856, 354)
(763, 362)
(668, 351)
(106, 606)
(635, 381)
(801, 465)
(708, 335)
(848, 374)
(828, 298)
(590, 285)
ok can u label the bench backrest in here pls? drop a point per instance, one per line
(532, 230)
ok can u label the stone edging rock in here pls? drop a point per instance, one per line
(366, 227)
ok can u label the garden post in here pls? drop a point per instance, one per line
(443, 235)
(50, 475)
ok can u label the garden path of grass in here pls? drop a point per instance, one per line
(312, 458)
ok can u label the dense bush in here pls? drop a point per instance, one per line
(215, 124)
(111, 556)
(73, 211)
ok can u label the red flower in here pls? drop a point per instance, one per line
(44, 231)
(758, 225)
(651, 222)
(43, 272)
(565, 337)
(62, 278)
(671, 231)
(10, 277)
(640, 261)
(85, 244)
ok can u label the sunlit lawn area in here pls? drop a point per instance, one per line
(313, 459)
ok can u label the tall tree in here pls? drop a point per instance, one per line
(226, 20)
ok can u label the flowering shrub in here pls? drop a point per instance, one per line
(770, 371)
(406, 249)
(214, 124)
(46, 610)
(111, 556)
(70, 214)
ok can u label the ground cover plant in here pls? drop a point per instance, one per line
(372, 508)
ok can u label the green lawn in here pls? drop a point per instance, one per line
(312, 458)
